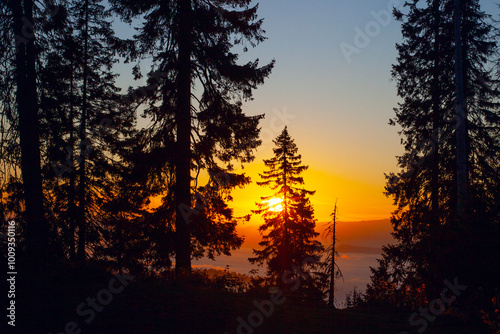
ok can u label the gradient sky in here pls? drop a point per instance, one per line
(340, 108)
(337, 110)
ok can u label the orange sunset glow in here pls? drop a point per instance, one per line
(359, 198)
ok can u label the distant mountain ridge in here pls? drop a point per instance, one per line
(366, 233)
(346, 249)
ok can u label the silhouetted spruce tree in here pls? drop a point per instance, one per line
(82, 124)
(59, 87)
(429, 239)
(191, 44)
(20, 40)
(288, 233)
(23, 59)
(97, 110)
(47, 23)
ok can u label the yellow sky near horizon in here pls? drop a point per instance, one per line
(358, 199)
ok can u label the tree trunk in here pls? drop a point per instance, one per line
(183, 158)
(461, 119)
(436, 123)
(72, 176)
(83, 147)
(434, 222)
(286, 257)
(37, 236)
(331, 299)
(27, 103)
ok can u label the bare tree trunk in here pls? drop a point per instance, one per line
(331, 297)
(183, 120)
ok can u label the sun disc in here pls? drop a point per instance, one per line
(275, 204)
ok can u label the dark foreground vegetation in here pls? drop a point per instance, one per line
(202, 305)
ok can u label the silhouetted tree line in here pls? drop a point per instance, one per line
(79, 170)
(433, 242)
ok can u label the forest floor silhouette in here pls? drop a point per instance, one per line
(153, 305)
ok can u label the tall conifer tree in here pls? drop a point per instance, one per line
(192, 44)
(429, 238)
(288, 230)
(83, 123)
